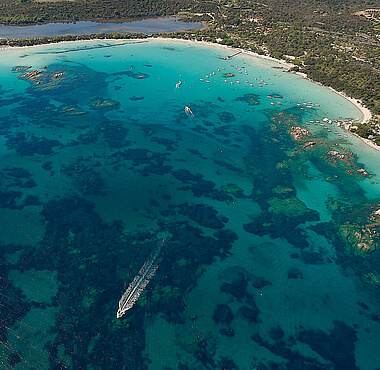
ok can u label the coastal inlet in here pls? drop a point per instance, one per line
(212, 211)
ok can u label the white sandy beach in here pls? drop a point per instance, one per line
(367, 142)
(366, 115)
(277, 289)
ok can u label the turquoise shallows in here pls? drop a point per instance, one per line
(106, 144)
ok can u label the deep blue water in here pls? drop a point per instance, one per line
(270, 255)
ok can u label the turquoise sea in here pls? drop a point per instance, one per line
(268, 212)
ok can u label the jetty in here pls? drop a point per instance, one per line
(230, 56)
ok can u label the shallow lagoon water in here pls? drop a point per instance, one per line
(99, 157)
(145, 26)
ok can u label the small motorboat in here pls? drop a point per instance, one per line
(189, 112)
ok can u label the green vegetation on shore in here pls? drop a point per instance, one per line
(336, 43)
(61, 38)
(24, 12)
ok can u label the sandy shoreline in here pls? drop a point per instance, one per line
(367, 142)
(366, 115)
(365, 112)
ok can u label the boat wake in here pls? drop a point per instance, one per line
(141, 280)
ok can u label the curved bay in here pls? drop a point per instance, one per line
(273, 249)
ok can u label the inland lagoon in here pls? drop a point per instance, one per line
(225, 189)
(145, 26)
